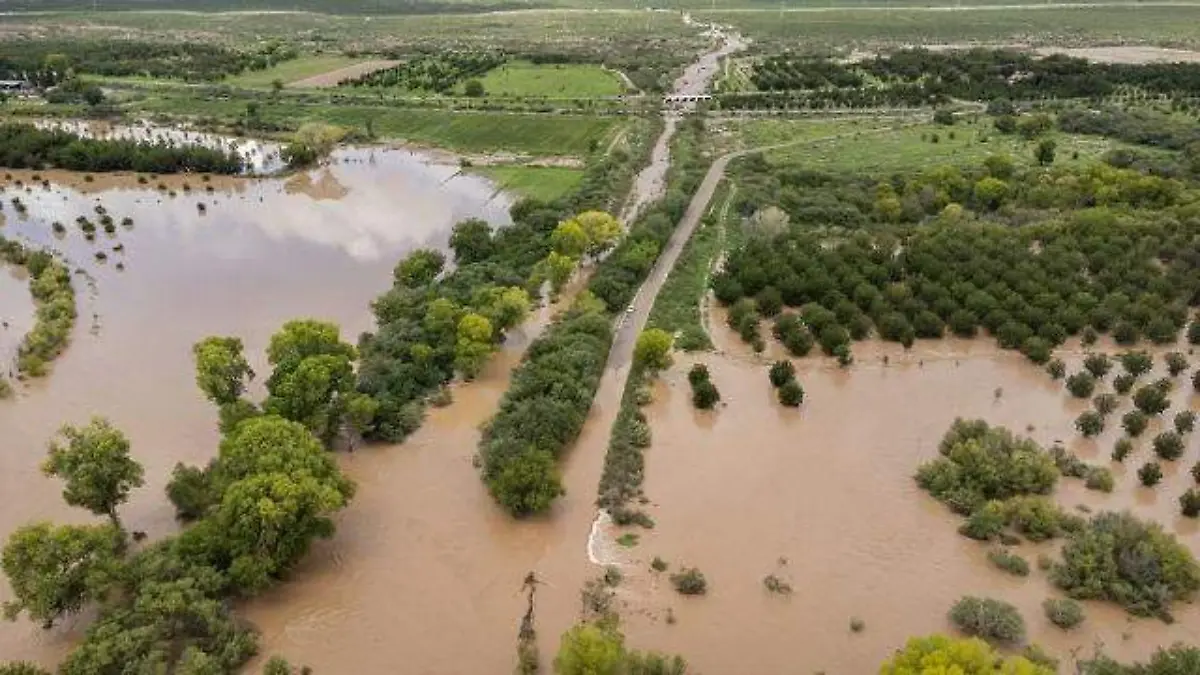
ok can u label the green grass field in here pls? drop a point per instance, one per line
(881, 151)
(546, 183)
(558, 80)
(560, 135)
(290, 71)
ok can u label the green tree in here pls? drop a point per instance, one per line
(941, 655)
(569, 239)
(474, 344)
(990, 192)
(57, 569)
(221, 369)
(781, 372)
(601, 228)
(1089, 423)
(590, 649)
(559, 269)
(420, 267)
(473, 88)
(360, 411)
(313, 373)
(527, 484)
(791, 394)
(94, 463)
(471, 240)
(653, 349)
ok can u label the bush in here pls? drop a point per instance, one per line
(689, 581)
(1168, 445)
(1136, 363)
(782, 372)
(705, 395)
(1135, 564)
(658, 564)
(1121, 449)
(1152, 399)
(1189, 503)
(776, 585)
(1056, 368)
(1097, 364)
(1185, 422)
(1134, 422)
(1099, 478)
(1063, 612)
(1009, 562)
(992, 620)
(1176, 363)
(979, 463)
(1081, 385)
(1106, 403)
(1122, 384)
(1196, 381)
(697, 374)
(1089, 423)
(1150, 474)
(791, 394)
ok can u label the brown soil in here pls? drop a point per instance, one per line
(335, 77)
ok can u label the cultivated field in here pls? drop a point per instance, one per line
(521, 78)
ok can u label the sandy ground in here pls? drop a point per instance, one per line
(1130, 54)
(335, 77)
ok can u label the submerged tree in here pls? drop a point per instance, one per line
(58, 569)
(221, 369)
(94, 463)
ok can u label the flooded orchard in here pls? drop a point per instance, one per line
(259, 253)
(823, 496)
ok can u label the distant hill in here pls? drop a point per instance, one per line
(324, 6)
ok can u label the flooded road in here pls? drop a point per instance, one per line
(823, 497)
(259, 254)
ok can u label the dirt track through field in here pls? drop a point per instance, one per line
(335, 77)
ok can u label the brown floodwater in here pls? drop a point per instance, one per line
(262, 252)
(823, 497)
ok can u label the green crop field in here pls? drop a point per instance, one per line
(843, 28)
(291, 71)
(558, 80)
(546, 183)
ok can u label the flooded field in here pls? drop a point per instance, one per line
(823, 497)
(258, 254)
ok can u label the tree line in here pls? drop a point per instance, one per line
(438, 73)
(25, 146)
(55, 313)
(48, 62)
(1042, 255)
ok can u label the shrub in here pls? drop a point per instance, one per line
(1185, 421)
(979, 463)
(1150, 474)
(658, 564)
(1106, 403)
(1134, 422)
(776, 585)
(705, 395)
(1135, 564)
(791, 394)
(1089, 423)
(1123, 383)
(1063, 612)
(992, 620)
(1196, 381)
(1136, 363)
(942, 654)
(1081, 385)
(1151, 399)
(689, 581)
(1097, 364)
(1189, 503)
(1176, 363)
(857, 625)
(1056, 368)
(782, 372)
(1067, 463)
(1121, 449)
(1009, 562)
(698, 374)
(1099, 478)
(1168, 445)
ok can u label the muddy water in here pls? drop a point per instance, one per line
(255, 258)
(823, 496)
(16, 312)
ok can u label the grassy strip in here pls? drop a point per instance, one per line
(570, 80)
(293, 70)
(546, 183)
(50, 285)
(677, 307)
